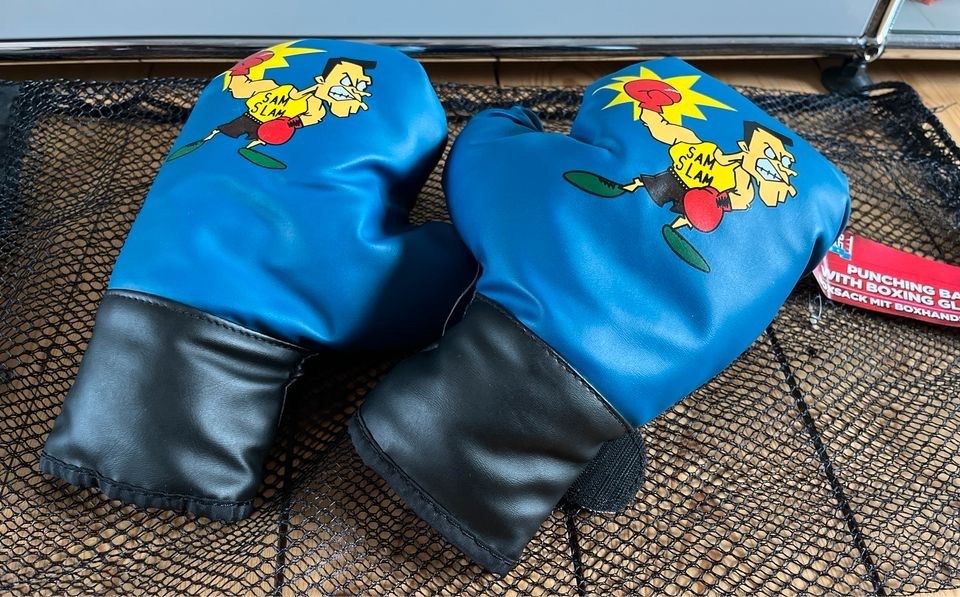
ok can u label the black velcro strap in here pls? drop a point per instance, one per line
(611, 481)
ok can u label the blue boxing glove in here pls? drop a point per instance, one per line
(277, 229)
(624, 265)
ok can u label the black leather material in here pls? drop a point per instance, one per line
(172, 408)
(482, 434)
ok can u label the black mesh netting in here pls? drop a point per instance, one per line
(826, 460)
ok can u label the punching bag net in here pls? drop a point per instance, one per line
(826, 460)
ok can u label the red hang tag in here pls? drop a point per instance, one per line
(860, 272)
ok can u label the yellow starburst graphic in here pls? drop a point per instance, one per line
(689, 104)
(279, 59)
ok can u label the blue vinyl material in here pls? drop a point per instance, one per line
(644, 314)
(305, 238)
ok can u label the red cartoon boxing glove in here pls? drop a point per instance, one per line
(704, 208)
(278, 130)
(651, 94)
(243, 67)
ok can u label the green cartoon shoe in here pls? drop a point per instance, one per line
(684, 249)
(261, 159)
(594, 184)
(188, 148)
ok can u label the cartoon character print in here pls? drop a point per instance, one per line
(275, 111)
(703, 182)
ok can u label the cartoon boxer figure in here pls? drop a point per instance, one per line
(275, 111)
(703, 182)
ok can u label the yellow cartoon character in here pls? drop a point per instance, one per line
(703, 182)
(275, 111)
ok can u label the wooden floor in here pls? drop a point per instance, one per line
(937, 82)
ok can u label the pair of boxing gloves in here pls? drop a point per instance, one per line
(620, 267)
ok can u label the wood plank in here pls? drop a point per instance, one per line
(554, 74)
(202, 70)
(478, 73)
(103, 71)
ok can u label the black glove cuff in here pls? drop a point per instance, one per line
(482, 435)
(172, 408)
